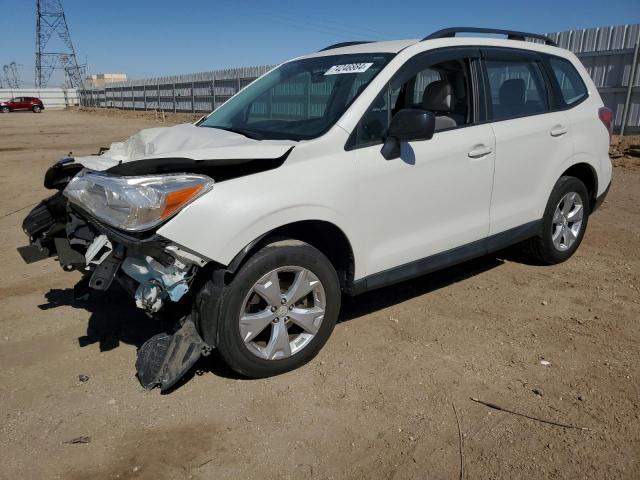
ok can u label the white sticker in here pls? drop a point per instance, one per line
(348, 68)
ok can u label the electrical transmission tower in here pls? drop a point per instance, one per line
(11, 76)
(59, 54)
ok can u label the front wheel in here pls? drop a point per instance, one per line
(36, 109)
(277, 312)
(563, 224)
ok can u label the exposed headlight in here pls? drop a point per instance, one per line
(135, 203)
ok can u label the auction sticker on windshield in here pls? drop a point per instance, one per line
(348, 68)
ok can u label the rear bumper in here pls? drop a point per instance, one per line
(600, 199)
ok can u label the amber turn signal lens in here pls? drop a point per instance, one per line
(176, 199)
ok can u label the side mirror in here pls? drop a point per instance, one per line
(408, 125)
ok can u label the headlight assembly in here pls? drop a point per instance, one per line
(135, 203)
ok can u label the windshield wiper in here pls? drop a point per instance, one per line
(241, 131)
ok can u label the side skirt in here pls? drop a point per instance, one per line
(447, 258)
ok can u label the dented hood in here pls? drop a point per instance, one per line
(186, 141)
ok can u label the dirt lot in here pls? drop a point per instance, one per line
(378, 400)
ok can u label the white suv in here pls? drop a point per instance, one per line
(346, 170)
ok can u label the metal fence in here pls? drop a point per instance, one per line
(610, 55)
(196, 92)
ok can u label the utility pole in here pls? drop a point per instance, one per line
(60, 54)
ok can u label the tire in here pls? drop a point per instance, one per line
(4, 110)
(543, 248)
(253, 349)
(36, 109)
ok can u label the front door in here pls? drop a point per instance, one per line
(17, 103)
(437, 195)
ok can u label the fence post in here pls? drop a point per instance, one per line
(213, 94)
(193, 97)
(144, 96)
(174, 98)
(632, 78)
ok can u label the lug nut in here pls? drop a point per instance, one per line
(286, 319)
(283, 301)
(276, 320)
(290, 307)
(273, 309)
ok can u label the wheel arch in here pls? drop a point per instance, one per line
(321, 234)
(585, 172)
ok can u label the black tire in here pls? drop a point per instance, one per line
(4, 110)
(219, 313)
(541, 247)
(36, 109)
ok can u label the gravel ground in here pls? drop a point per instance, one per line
(378, 400)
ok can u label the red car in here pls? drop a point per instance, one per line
(22, 103)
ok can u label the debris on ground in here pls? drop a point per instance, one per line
(83, 378)
(460, 441)
(502, 409)
(621, 150)
(83, 439)
(625, 151)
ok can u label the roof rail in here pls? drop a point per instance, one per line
(344, 44)
(511, 34)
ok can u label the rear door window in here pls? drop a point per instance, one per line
(572, 88)
(516, 86)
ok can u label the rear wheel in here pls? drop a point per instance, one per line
(277, 312)
(36, 109)
(4, 109)
(564, 223)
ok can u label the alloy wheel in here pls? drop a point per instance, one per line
(282, 312)
(567, 221)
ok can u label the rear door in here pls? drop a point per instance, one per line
(531, 139)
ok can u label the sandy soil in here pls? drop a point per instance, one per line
(378, 400)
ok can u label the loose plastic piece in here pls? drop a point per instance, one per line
(164, 358)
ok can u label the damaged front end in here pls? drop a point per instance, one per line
(104, 225)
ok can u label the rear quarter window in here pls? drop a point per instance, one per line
(572, 88)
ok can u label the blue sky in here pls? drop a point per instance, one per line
(157, 37)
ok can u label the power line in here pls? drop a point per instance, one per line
(305, 22)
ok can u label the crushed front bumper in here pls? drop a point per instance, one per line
(161, 271)
(154, 270)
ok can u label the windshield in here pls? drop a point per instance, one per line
(299, 100)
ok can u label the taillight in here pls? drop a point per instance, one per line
(606, 116)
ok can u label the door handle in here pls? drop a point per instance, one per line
(480, 151)
(559, 130)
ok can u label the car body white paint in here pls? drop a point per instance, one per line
(392, 212)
